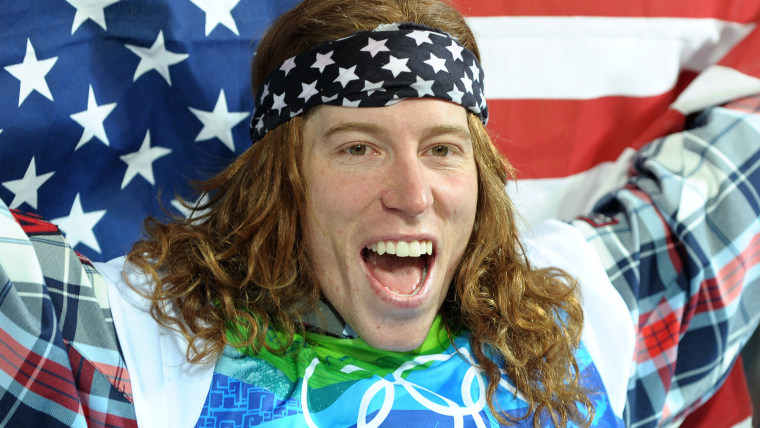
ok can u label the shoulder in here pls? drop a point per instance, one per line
(168, 390)
(608, 332)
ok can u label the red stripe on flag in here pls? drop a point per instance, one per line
(736, 11)
(545, 138)
(730, 406)
(744, 56)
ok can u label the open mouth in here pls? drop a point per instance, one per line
(400, 266)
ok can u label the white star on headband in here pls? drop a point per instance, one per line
(375, 46)
(396, 65)
(279, 103)
(475, 72)
(308, 90)
(394, 100)
(456, 95)
(438, 64)
(420, 37)
(370, 87)
(326, 100)
(456, 50)
(288, 65)
(423, 87)
(346, 75)
(467, 82)
(323, 60)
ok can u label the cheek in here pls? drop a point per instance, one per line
(461, 196)
(338, 197)
(333, 205)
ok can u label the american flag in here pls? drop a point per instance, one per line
(108, 107)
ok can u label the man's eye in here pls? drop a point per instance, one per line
(357, 150)
(440, 151)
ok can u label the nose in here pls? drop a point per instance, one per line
(408, 186)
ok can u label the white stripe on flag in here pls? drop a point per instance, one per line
(590, 57)
(567, 197)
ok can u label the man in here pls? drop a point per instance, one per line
(363, 266)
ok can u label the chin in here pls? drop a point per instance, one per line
(392, 338)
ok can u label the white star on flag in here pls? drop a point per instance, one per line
(323, 60)
(77, 226)
(190, 212)
(31, 74)
(288, 65)
(438, 64)
(308, 90)
(420, 37)
(423, 87)
(219, 122)
(156, 58)
(279, 103)
(346, 75)
(92, 120)
(326, 100)
(89, 9)
(375, 46)
(141, 161)
(218, 12)
(456, 51)
(349, 103)
(25, 189)
(456, 95)
(396, 65)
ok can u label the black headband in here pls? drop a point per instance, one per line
(372, 69)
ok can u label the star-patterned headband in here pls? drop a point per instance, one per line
(371, 69)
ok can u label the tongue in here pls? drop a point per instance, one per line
(401, 275)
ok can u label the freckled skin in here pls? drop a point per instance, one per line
(403, 172)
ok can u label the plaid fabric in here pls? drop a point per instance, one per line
(61, 364)
(681, 243)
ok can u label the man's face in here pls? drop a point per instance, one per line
(391, 200)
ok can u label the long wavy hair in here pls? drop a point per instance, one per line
(241, 259)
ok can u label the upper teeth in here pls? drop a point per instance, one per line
(403, 248)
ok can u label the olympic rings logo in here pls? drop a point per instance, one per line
(470, 406)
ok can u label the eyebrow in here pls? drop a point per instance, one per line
(436, 130)
(366, 127)
(370, 128)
